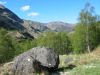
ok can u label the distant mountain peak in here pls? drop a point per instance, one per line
(57, 22)
(60, 26)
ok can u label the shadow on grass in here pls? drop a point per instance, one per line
(62, 69)
(69, 67)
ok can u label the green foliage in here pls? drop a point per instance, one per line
(57, 41)
(86, 35)
(78, 39)
(25, 45)
(7, 46)
(89, 69)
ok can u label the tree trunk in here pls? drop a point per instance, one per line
(88, 48)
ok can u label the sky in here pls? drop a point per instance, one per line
(49, 10)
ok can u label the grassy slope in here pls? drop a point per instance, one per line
(87, 64)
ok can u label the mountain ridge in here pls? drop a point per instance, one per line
(28, 28)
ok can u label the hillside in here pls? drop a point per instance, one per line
(60, 26)
(12, 22)
(37, 25)
(27, 28)
(9, 20)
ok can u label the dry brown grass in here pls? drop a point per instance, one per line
(89, 57)
(82, 59)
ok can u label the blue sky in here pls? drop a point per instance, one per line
(49, 10)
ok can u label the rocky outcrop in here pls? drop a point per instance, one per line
(36, 60)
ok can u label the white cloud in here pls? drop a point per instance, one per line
(33, 14)
(3, 2)
(25, 8)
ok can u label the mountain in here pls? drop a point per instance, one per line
(9, 20)
(12, 22)
(60, 26)
(23, 28)
(37, 25)
(35, 28)
(20, 28)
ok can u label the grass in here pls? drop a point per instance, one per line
(89, 69)
(86, 64)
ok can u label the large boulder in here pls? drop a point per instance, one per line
(37, 59)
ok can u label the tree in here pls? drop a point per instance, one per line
(57, 41)
(86, 35)
(7, 46)
(25, 45)
(78, 39)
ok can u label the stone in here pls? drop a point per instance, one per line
(39, 59)
(6, 69)
(69, 60)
